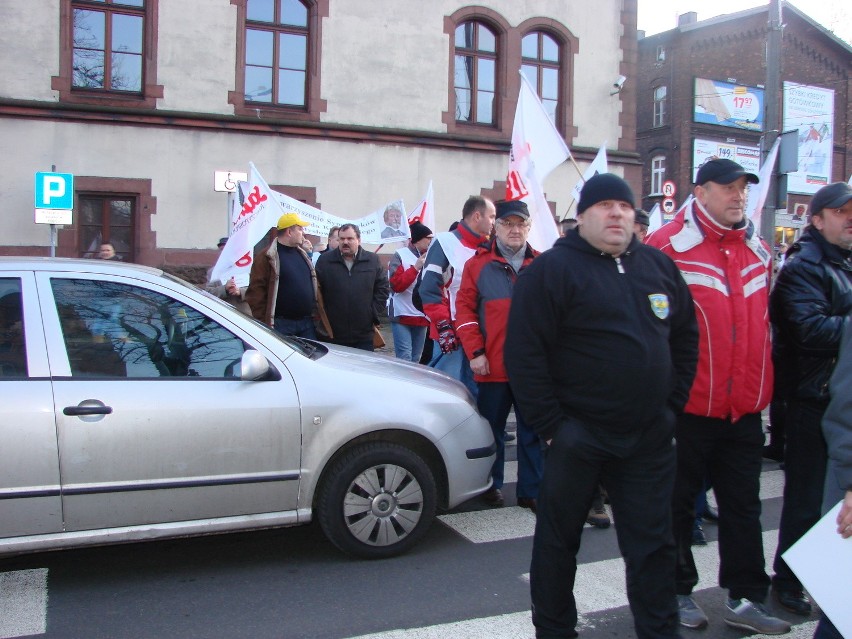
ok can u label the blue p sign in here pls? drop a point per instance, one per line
(54, 191)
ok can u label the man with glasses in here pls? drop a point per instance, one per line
(809, 307)
(482, 310)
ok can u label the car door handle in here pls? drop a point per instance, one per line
(76, 411)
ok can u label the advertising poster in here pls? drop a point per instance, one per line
(810, 110)
(727, 104)
(746, 156)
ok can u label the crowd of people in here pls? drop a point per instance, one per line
(638, 367)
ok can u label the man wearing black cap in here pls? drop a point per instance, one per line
(482, 310)
(408, 324)
(641, 224)
(809, 307)
(720, 433)
(600, 350)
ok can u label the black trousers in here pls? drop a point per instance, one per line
(637, 469)
(730, 455)
(805, 460)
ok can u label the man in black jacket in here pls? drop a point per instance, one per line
(601, 351)
(808, 306)
(354, 289)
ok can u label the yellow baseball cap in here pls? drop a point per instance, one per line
(291, 219)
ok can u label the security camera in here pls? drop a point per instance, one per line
(619, 83)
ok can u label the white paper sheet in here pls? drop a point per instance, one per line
(822, 560)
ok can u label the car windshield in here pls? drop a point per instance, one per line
(305, 347)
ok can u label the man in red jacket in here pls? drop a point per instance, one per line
(482, 311)
(728, 269)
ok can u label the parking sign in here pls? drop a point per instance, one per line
(54, 191)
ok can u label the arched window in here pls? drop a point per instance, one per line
(475, 73)
(540, 64)
(658, 174)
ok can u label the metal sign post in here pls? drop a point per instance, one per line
(54, 201)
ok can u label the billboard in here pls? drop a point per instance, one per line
(810, 110)
(726, 104)
(746, 156)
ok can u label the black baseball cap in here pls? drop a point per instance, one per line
(512, 207)
(832, 196)
(642, 217)
(723, 172)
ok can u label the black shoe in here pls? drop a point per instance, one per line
(795, 601)
(698, 538)
(598, 517)
(493, 497)
(527, 502)
(710, 514)
(509, 437)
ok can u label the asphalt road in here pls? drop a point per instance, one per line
(468, 579)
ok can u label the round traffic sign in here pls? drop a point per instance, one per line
(668, 205)
(669, 189)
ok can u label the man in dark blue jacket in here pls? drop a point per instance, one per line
(601, 351)
(354, 289)
(808, 307)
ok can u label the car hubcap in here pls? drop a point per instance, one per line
(383, 505)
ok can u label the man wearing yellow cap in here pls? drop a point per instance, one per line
(282, 289)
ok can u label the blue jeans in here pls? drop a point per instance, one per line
(408, 341)
(455, 365)
(297, 327)
(494, 401)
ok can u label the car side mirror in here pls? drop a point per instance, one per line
(254, 367)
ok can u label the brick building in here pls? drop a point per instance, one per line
(344, 105)
(701, 93)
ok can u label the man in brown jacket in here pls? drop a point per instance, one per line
(282, 290)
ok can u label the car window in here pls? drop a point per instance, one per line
(13, 348)
(118, 330)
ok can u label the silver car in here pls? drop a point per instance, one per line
(136, 406)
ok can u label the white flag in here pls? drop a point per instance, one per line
(757, 192)
(598, 165)
(425, 211)
(537, 149)
(655, 216)
(260, 212)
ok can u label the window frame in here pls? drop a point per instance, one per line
(478, 54)
(540, 64)
(503, 85)
(660, 110)
(145, 249)
(658, 174)
(64, 82)
(314, 104)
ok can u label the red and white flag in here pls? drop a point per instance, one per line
(425, 211)
(260, 212)
(537, 149)
(757, 192)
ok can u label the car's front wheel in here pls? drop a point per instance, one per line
(377, 500)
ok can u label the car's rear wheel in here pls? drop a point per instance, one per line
(378, 499)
